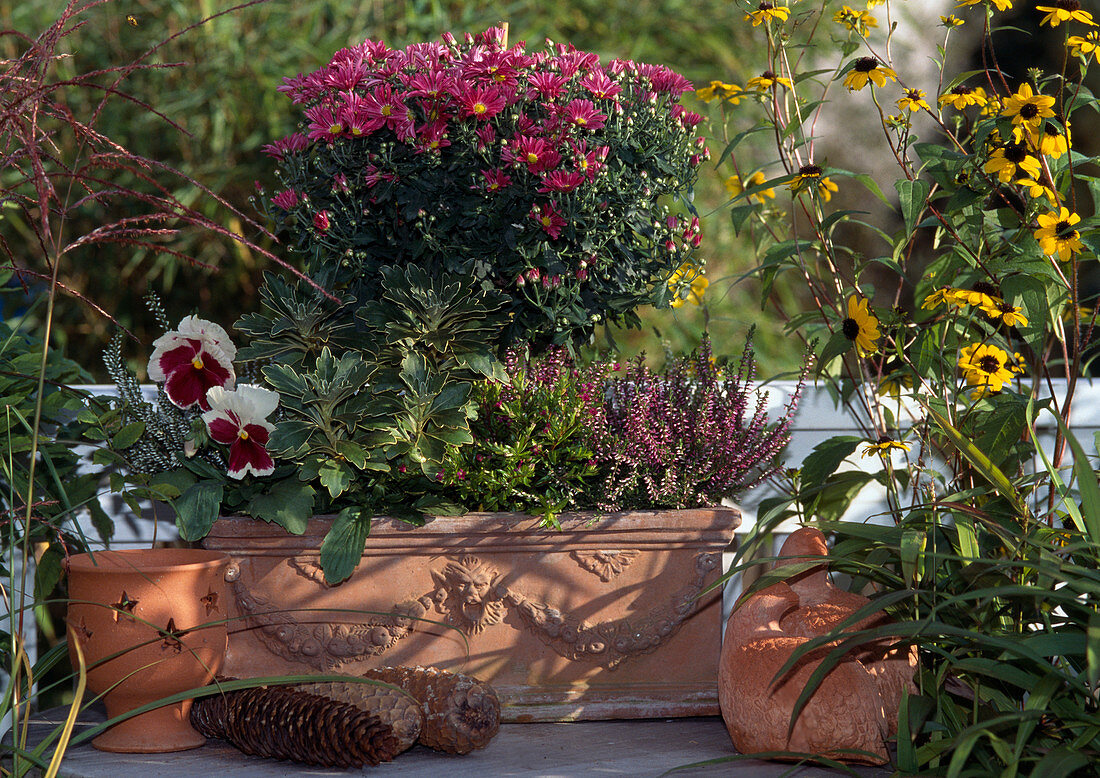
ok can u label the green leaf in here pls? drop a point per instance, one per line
(128, 435)
(484, 364)
(739, 214)
(285, 380)
(288, 503)
(335, 476)
(47, 572)
(198, 508)
(981, 462)
(1092, 649)
(925, 352)
(912, 546)
(914, 197)
(1062, 761)
(836, 345)
(342, 547)
(352, 452)
(826, 458)
(1030, 294)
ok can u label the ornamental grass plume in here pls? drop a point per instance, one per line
(687, 437)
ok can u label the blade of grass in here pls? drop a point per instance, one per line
(74, 709)
(1087, 483)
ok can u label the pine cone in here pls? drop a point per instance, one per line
(397, 709)
(285, 723)
(460, 712)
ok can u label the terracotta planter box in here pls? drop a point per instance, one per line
(603, 619)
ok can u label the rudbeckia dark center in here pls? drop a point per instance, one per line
(1064, 229)
(989, 364)
(1067, 5)
(1050, 129)
(767, 74)
(1015, 152)
(765, 7)
(850, 328)
(986, 288)
(1029, 111)
(809, 171)
(962, 90)
(866, 64)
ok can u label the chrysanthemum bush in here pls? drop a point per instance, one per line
(545, 177)
(945, 343)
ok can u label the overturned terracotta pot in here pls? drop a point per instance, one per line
(150, 623)
(844, 714)
(605, 618)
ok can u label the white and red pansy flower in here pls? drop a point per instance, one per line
(191, 359)
(238, 419)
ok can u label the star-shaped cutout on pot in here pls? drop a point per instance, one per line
(82, 630)
(210, 601)
(124, 605)
(172, 636)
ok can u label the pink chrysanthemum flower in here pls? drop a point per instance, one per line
(684, 116)
(346, 75)
(481, 102)
(534, 152)
(665, 80)
(191, 359)
(292, 143)
(495, 67)
(238, 419)
(432, 136)
(324, 124)
(600, 85)
(387, 108)
(372, 176)
(589, 162)
(548, 218)
(583, 114)
(354, 116)
(495, 180)
(561, 181)
(485, 136)
(430, 86)
(286, 199)
(547, 85)
(321, 221)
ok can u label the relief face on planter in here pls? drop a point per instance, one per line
(591, 622)
(467, 595)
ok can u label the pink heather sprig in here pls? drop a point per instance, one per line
(686, 437)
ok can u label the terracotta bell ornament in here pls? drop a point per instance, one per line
(844, 713)
(822, 607)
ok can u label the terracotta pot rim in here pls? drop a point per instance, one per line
(147, 560)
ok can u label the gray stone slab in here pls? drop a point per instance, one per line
(593, 748)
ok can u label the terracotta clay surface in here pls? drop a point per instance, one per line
(150, 624)
(601, 619)
(822, 607)
(845, 712)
